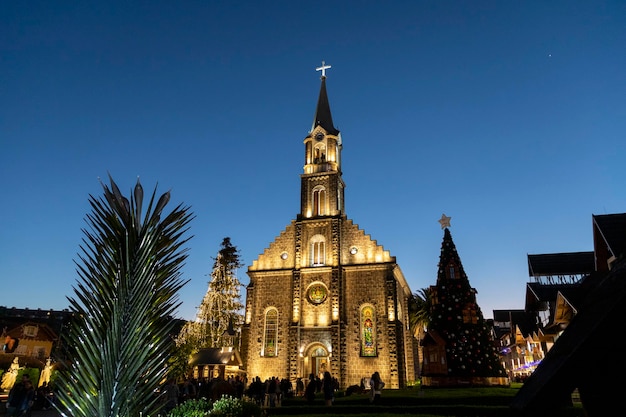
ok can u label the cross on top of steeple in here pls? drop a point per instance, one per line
(323, 68)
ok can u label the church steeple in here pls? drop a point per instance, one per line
(323, 116)
(322, 195)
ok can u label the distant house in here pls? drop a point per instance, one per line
(559, 283)
(519, 340)
(35, 342)
(38, 332)
(435, 348)
(212, 363)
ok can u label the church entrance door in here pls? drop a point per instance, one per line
(320, 361)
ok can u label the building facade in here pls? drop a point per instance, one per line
(325, 296)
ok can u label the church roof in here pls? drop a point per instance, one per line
(323, 116)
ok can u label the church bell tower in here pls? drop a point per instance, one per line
(322, 185)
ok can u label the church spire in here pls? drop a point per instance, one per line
(323, 117)
(322, 195)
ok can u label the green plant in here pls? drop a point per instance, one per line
(119, 340)
(192, 408)
(229, 406)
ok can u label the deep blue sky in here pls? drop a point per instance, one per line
(508, 116)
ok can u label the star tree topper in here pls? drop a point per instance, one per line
(444, 221)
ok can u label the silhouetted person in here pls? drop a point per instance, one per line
(376, 386)
(309, 392)
(328, 387)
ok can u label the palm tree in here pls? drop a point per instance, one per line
(129, 276)
(419, 317)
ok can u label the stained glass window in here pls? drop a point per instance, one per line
(317, 293)
(368, 331)
(271, 332)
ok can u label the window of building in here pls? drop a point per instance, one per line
(452, 272)
(271, 333)
(317, 293)
(318, 250)
(368, 331)
(319, 201)
(339, 202)
(39, 352)
(30, 331)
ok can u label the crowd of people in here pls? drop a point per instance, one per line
(24, 397)
(269, 393)
(266, 393)
(174, 393)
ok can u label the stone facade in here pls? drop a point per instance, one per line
(324, 295)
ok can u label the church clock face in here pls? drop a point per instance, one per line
(319, 136)
(317, 293)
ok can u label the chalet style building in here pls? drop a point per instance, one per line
(36, 333)
(584, 357)
(559, 285)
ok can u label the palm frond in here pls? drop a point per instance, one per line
(129, 276)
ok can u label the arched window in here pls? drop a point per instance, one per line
(368, 331)
(318, 250)
(319, 201)
(319, 155)
(270, 334)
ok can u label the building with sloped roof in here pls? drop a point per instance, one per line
(324, 295)
(584, 356)
(559, 283)
(212, 363)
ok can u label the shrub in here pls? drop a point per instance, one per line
(192, 408)
(229, 406)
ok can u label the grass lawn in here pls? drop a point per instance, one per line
(420, 402)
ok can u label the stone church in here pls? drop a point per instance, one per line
(324, 296)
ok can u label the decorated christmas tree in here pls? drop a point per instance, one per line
(219, 313)
(456, 321)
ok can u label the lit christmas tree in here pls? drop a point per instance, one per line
(457, 323)
(219, 313)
